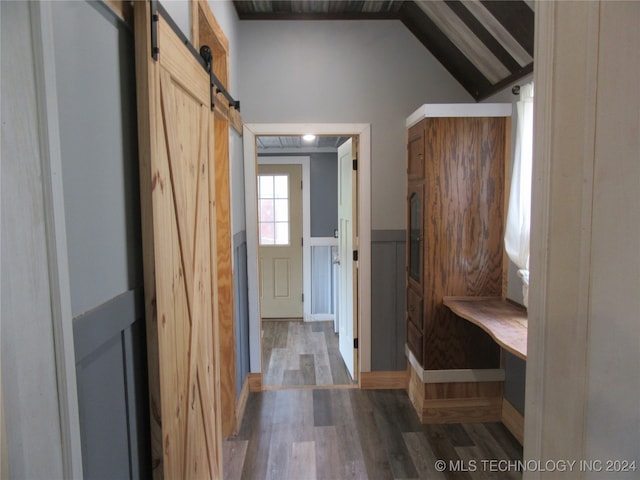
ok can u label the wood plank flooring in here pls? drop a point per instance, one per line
(298, 353)
(306, 434)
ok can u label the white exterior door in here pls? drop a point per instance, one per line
(280, 240)
(347, 243)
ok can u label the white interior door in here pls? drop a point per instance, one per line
(280, 240)
(348, 277)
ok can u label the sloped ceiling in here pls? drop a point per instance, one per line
(485, 45)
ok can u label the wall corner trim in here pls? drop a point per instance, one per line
(56, 237)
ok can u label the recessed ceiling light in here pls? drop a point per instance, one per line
(309, 137)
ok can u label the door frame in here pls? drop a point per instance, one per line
(306, 223)
(361, 130)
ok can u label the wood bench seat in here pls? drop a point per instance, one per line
(505, 321)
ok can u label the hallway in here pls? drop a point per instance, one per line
(298, 353)
(347, 433)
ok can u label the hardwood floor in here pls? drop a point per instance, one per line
(298, 353)
(307, 434)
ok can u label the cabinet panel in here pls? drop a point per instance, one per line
(414, 340)
(415, 235)
(415, 152)
(454, 234)
(414, 307)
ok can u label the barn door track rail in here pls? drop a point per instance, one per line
(204, 57)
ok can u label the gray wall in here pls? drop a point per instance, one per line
(241, 305)
(323, 191)
(338, 71)
(324, 194)
(95, 77)
(388, 300)
(372, 72)
(112, 389)
(98, 134)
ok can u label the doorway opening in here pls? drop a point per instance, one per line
(290, 350)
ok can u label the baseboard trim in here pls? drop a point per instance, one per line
(454, 375)
(389, 380)
(241, 403)
(455, 402)
(513, 420)
(462, 410)
(255, 382)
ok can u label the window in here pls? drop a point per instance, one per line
(273, 209)
(517, 233)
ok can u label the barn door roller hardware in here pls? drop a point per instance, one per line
(216, 85)
(204, 57)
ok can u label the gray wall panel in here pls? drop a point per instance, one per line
(323, 170)
(112, 389)
(324, 194)
(92, 328)
(103, 412)
(388, 300)
(401, 304)
(241, 308)
(514, 382)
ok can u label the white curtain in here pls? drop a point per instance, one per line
(518, 229)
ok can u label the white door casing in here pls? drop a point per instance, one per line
(363, 132)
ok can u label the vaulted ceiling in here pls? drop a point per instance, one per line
(484, 44)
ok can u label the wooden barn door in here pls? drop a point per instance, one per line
(176, 131)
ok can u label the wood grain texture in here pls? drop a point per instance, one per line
(210, 34)
(225, 275)
(206, 31)
(369, 434)
(507, 188)
(415, 152)
(255, 382)
(513, 420)
(416, 241)
(176, 135)
(296, 353)
(241, 403)
(384, 380)
(463, 224)
(146, 90)
(455, 402)
(505, 321)
(123, 9)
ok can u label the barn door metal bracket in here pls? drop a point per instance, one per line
(155, 50)
(204, 57)
(216, 84)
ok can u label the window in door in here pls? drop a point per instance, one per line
(273, 207)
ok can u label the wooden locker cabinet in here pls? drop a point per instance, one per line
(456, 159)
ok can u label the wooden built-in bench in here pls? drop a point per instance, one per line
(505, 321)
